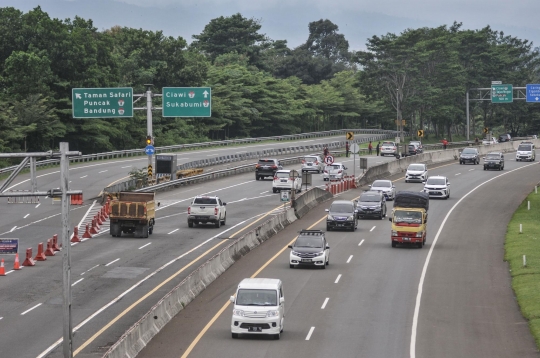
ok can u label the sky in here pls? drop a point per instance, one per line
(288, 20)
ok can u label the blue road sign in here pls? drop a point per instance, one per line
(150, 150)
(9, 246)
(533, 93)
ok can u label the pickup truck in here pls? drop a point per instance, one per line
(133, 213)
(207, 209)
(409, 218)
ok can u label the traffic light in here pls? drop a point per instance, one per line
(420, 133)
(150, 171)
(148, 140)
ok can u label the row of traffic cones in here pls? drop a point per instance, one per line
(52, 243)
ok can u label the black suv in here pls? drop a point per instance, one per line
(310, 248)
(372, 204)
(342, 215)
(494, 160)
(267, 168)
(505, 138)
(469, 155)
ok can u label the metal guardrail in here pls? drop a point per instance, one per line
(172, 148)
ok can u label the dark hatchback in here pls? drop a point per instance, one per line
(469, 155)
(372, 204)
(342, 215)
(267, 168)
(494, 160)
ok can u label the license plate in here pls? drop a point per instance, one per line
(406, 239)
(283, 180)
(306, 260)
(254, 329)
(309, 164)
(200, 217)
(433, 192)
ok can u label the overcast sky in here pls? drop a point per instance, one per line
(288, 20)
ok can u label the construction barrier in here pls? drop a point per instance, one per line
(75, 237)
(55, 242)
(29, 261)
(87, 234)
(16, 264)
(76, 199)
(40, 253)
(50, 250)
(2, 268)
(94, 229)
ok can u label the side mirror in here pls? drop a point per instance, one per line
(448, 184)
(281, 299)
(224, 204)
(327, 246)
(231, 299)
(158, 204)
(393, 186)
(389, 219)
(327, 210)
(355, 210)
(290, 246)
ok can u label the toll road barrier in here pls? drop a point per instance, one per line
(75, 237)
(76, 199)
(50, 251)
(138, 336)
(27, 199)
(87, 234)
(55, 243)
(29, 261)
(40, 253)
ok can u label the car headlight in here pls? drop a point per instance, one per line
(330, 217)
(272, 314)
(238, 313)
(394, 233)
(350, 218)
(419, 234)
(319, 253)
(294, 253)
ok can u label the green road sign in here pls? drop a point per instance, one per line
(187, 102)
(502, 94)
(102, 102)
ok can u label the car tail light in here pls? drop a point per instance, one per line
(189, 210)
(274, 166)
(316, 163)
(339, 172)
(258, 166)
(216, 211)
(326, 171)
(303, 161)
(290, 178)
(395, 148)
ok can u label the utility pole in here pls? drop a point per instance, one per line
(149, 119)
(66, 247)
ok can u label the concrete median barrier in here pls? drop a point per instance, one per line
(310, 199)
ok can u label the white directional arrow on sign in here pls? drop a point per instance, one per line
(78, 96)
(205, 93)
(537, 98)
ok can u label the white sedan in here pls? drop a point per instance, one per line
(335, 171)
(386, 187)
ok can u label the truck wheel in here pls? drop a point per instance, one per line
(145, 231)
(420, 245)
(224, 220)
(151, 230)
(190, 223)
(218, 223)
(393, 244)
(234, 335)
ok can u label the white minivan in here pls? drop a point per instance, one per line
(259, 307)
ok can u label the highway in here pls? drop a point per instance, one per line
(453, 298)
(115, 280)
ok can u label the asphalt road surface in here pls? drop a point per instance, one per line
(452, 298)
(115, 280)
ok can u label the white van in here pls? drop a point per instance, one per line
(258, 307)
(526, 151)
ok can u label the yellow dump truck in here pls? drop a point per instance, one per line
(409, 218)
(133, 213)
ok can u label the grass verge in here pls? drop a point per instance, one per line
(526, 279)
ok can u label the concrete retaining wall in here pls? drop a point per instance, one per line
(138, 336)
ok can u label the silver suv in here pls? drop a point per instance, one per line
(312, 163)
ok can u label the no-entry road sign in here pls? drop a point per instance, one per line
(329, 159)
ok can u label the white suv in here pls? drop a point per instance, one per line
(388, 148)
(312, 163)
(437, 187)
(286, 179)
(526, 151)
(416, 172)
(258, 307)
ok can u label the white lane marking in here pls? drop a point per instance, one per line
(458, 174)
(243, 151)
(350, 258)
(89, 270)
(76, 282)
(360, 244)
(1, 318)
(337, 279)
(310, 333)
(103, 171)
(28, 310)
(13, 228)
(123, 294)
(412, 346)
(305, 141)
(37, 206)
(237, 201)
(142, 247)
(70, 181)
(26, 216)
(10, 271)
(175, 230)
(84, 176)
(264, 192)
(127, 166)
(471, 170)
(325, 302)
(112, 262)
(85, 215)
(373, 228)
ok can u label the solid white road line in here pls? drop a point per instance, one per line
(337, 279)
(10, 271)
(89, 270)
(76, 282)
(264, 192)
(310, 333)
(175, 230)
(350, 258)
(412, 346)
(360, 244)
(112, 262)
(142, 247)
(37, 206)
(28, 310)
(325, 302)
(458, 174)
(127, 166)
(373, 228)
(103, 171)
(26, 216)
(471, 170)
(84, 176)
(13, 229)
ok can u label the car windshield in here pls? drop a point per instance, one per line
(266, 162)
(310, 159)
(524, 147)
(404, 216)
(282, 174)
(417, 143)
(416, 167)
(366, 197)
(469, 151)
(381, 184)
(205, 201)
(341, 208)
(313, 242)
(249, 297)
(436, 181)
(492, 156)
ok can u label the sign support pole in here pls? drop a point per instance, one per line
(66, 248)
(467, 114)
(149, 118)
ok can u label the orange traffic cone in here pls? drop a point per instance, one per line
(2, 268)
(17, 265)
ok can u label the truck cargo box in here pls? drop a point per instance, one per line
(411, 199)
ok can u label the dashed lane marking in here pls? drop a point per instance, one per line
(325, 302)
(360, 244)
(350, 258)
(310, 333)
(142, 247)
(337, 279)
(112, 262)
(30, 309)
